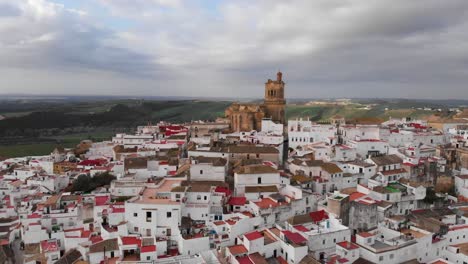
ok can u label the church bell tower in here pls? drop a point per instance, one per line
(274, 99)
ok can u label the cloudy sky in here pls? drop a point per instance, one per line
(325, 48)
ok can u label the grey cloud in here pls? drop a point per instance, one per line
(326, 48)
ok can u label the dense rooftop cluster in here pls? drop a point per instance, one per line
(200, 192)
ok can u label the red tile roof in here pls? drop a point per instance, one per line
(392, 172)
(150, 248)
(224, 190)
(301, 228)
(281, 260)
(294, 237)
(365, 234)
(131, 241)
(237, 249)
(253, 235)
(48, 246)
(34, 215)
(267, 203)
(101, 200)
(237, 201)
(95, 239)
(117, 210)
(96, 162)
(356, 195)
(347, 245)
(318, 216)
(244, 260)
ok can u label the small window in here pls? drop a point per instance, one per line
(169, 214)
(201, 171)
(148, 216)
(135, 214)
(198, 197)
(259, 180)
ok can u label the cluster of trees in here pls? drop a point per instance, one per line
(61, 119)
(86, 183)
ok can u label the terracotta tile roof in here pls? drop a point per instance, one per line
(150, 248)
(101, 200)
(256, 169)
(301, 228)
(258, 189)
(301, 178)
(348, 245)
(237, 201)
(109, 244)
(267, 203)
(360, 163)
(130, 240)
(365, 234)
(251, 149)
(253, 235)
(331, 168)
(356, 195)
(256, 258)
(386, 160)
(217, 162)
(69, 257)
(237, 250)
(393, 172)
(318, 216)
(281, 260)
(244, 260)
(294, 237)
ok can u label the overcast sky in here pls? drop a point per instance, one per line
(325, 48)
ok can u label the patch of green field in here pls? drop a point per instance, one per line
(324, 113)
(66, 141)
(31, 149)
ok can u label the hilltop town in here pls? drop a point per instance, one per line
(251, 187)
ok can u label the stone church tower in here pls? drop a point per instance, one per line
(274, 99)
(248, 117)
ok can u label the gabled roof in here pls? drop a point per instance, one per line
(331, 168)
(386, 160)
(70, 257)
(109, 244)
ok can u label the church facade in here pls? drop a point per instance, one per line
(248, 117)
